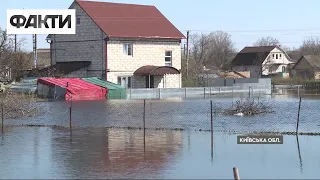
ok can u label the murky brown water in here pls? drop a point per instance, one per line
(29, 153)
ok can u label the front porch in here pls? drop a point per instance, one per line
(156, 77)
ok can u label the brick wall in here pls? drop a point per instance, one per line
(145, 52)
(86, 45)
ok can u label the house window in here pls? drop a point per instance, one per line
(78, 20)
(280, 56)
(283, 69)
(125, 81)
(128, 49)
(273, 55)
(168, 58)
(276, 56)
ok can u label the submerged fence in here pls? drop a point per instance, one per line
(198, 92)
(179, 114)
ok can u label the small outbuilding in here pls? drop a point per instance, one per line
(115, 91)
(69, 89)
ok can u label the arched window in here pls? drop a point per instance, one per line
(283, 69)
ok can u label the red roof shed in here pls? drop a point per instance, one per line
(76, 88)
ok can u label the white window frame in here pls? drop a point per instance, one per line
(78, 18)
(126, 46)
(168, 63)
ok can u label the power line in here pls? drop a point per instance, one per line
(261, 30)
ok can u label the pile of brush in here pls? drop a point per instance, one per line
(249, 107)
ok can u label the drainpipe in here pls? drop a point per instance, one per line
(106, 56)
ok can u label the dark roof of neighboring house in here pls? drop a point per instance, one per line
(252, 55)
(294, 55)
(313, 60)
(59, 68)
(130, 20)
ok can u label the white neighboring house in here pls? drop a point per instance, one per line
(133, 45)
(262, 61)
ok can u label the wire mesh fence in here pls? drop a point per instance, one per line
(198, 92)
(181, 114)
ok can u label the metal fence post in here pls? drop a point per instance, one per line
(297, 128)
(144, 123)
(204, 93)
(298, 91)
(70, 117)
(210, 91)
(211, 107)
(130, 94)
(185, 92)
(2, 112)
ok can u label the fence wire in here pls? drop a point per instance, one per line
(179, 114)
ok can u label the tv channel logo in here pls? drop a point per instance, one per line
(41, 21)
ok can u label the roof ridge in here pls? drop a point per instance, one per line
(95, 1)
(149, 22)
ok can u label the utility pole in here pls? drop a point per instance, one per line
(35, 50)
(187, 55)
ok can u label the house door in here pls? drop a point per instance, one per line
(124, 81)
(150, 82)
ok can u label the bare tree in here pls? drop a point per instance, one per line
(310, 46)
(214, 50)
(267, 41)
(12, 62)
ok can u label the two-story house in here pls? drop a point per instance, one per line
(132, 45)
(262, 61)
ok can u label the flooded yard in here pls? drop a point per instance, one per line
(39, 152)
(94, 151)
(192, 114)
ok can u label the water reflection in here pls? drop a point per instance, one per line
(29, 153)
(299, 153)
(116, 153)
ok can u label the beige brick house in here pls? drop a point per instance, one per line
(132, 45)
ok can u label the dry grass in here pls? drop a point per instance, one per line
(18, 106)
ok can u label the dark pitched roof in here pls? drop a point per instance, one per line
(252, 55)
(313, 60)
(294, 55)
(130, 20)
(60, 68)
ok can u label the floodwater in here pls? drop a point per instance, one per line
(193, 114)
(92, 151)
(42, 152)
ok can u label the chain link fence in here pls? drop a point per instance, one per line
(180, 114)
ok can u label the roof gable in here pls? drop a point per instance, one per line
(130, 20)
(257, 49)
(313, 61)
(252, 55)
